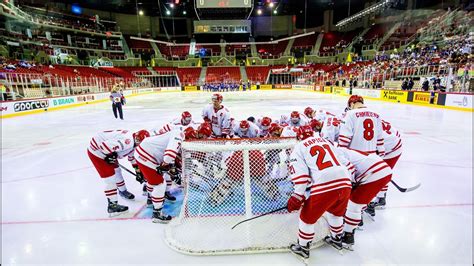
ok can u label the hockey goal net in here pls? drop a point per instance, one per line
(227, 181)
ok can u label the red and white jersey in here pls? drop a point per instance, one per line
(252, 132)
(362, 131)
(319, 115)
(263, 131)
(219, 118)
(173, 125)
(155, 150)
(392, 140)
(313, 164)
(289, 132)
(322, 115)
(330, 129)
(286, 120)
(119, 141)
(364, 167)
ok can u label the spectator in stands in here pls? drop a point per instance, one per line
(3, 90)
(425, 84)
(411, 83)
(405, 84)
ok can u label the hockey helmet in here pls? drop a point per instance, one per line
(304, 132)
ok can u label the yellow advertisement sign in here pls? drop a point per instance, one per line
(424, 97)
(339, 90)
(395, 96)
(266, 86)
(327, 89)
(190, 88)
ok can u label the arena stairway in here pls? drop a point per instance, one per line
(387, 35)
(243, 74)
(317, 45)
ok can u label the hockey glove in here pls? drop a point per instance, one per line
(294, 202)
(164, 167)
(138, 175)
(175, 175)
(111, 158)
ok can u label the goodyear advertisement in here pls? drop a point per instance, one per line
(395, 96)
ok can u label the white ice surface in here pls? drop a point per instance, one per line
(54, 210)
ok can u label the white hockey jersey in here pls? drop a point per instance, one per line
(322, 115)
(364, 167)
(252, 132)
(173, 125)
(392, 140)
(362, 131)
(313, 164)
(154, 150)
(263, 130)
(330, 129)
(119, 141)
(286, 120)
(219, 119)
(289, 132)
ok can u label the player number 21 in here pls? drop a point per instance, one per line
(320, 151)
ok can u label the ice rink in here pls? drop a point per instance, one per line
(54, 208)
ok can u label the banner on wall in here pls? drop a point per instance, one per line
(63, 101)
(367, 93)
(190, 88)
(302, 87)
(424, 97)
(266, 87)
(327, 89)
(341, 91)
(395, 96)
(282, 86)
(459, 100)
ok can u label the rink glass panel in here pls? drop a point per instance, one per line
(227, 181)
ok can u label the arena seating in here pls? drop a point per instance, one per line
(271, 50)
(173, 52)
(222, 74)
(335, 41)
(258, 73)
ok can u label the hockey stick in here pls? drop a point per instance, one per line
(126, 169)
(401, 189)
(258, 216)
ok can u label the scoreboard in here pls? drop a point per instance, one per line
(223, 3)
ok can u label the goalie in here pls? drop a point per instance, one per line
(260, 175)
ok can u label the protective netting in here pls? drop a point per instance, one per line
(227, 181)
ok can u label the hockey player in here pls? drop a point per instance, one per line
(393, 151)
(369, 175)
(104, 151)
(264, 124)
(319, 115)
(314, 166)
(186, 120)
(330, 128)
(362, 128)
(155, 156)
(218, 116)
(277, 131)
(246, 129)
(294, 120)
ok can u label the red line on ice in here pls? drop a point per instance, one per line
(46, 175)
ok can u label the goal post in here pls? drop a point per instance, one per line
(227, 181)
